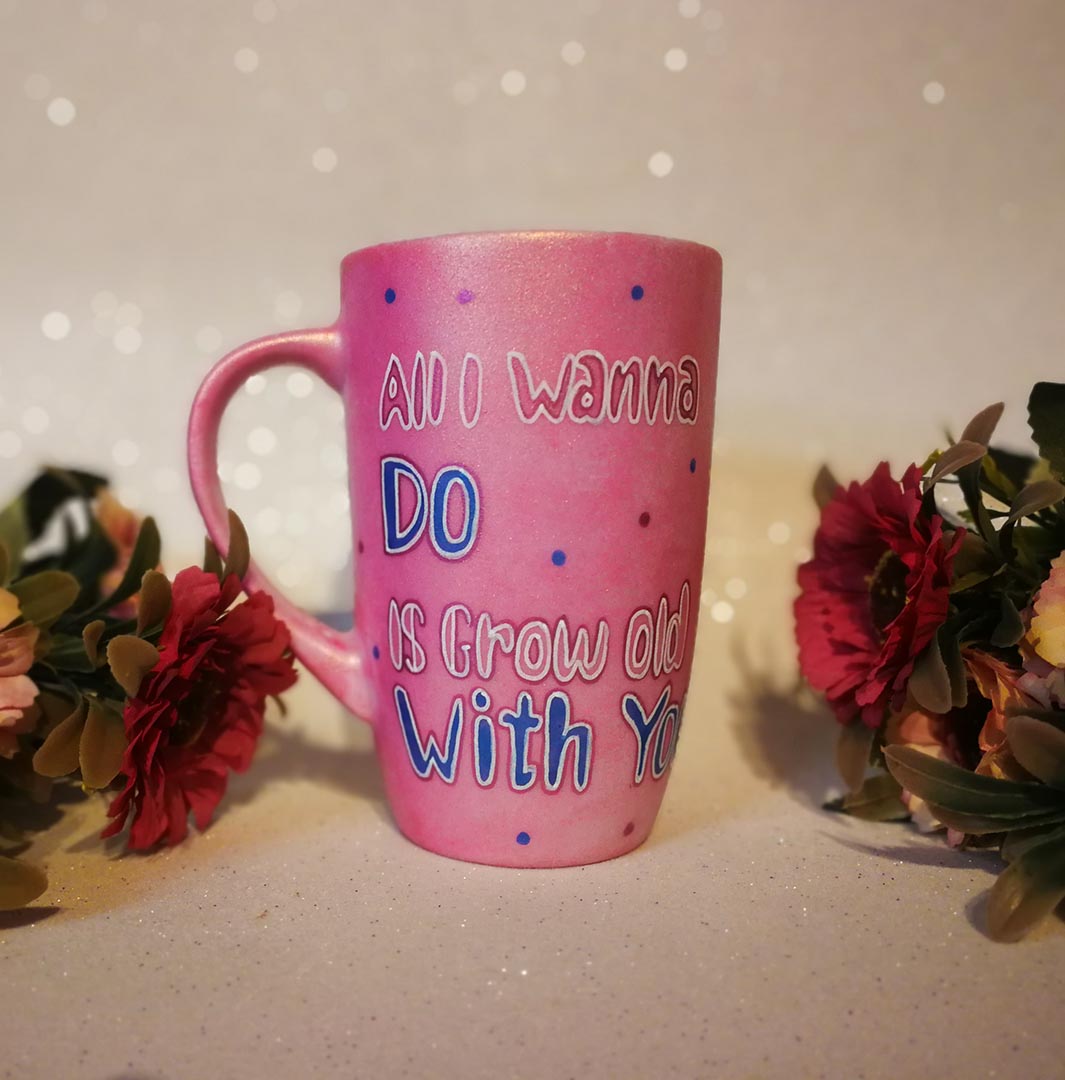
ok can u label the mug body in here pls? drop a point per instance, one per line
(529, 422)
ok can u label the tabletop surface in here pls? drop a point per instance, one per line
(753, 935)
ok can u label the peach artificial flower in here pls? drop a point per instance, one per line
(1043, 647)
(18, 692)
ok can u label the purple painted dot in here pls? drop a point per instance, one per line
(523, 838)
(645, 519)
(362, 547)
(637, 292)
(390, 296)
(558, 557)
(691, 465)
(464, 296)
(376, 653)
(630, 828)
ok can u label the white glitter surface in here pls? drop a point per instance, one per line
(753, 935)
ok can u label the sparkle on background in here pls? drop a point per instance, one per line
(722, 611)
(464, 91)
(660, 164)
(125, 452)
(779, 532)
(247, 476)
(934, 92)
(127, 340)
(254, 385)
(61, 111)
(676, 59)
(512, 83)
(572, 52)
(94, 11)
(736, 588)
(128, 314)
(35, 420)
(324, 159)
(104, 302)
(10, 444)
(299, 384)
(268, 520)
(150, 32)
(209, 340)
(689, 9)
(262, 441)
(713, 20)
(55, 325)
(246, 60)
(37, 86)
(264, 11)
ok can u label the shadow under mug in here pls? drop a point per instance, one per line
(529, 421)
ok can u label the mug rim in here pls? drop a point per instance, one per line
(532, 235)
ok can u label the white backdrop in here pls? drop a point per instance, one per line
(884, 180)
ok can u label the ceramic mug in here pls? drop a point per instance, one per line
(529, 419)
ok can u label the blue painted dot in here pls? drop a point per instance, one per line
(558, 557)
(376, 653)
(637, 292)
(523, 838)
(390, 296)
(691, 465)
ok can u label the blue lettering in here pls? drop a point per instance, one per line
(425, 758)
(454, 547)
(521, 723)
(560, 735)
(642, 725)
(399, 538)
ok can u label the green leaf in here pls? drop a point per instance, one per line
(950, 649)
(103, 744)
(14, 535)
(954, 458)
(969, 482)
(1028, 890)
(826, 487)
(212, 561)
(20, 883)
(1010, 627)
(1039, 747)
(238, 555)
(68, 653)
(978, 823)
(852, 753)
(1046, 416)
(58, 754)
(930, 683)
(131, 658)
(950, 786)
(144, 557)
(982, 426)
(45, 596)
(1020, 841)
(878, 799)
(153, 604)
(1035, 497)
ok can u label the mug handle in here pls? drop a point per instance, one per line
(337, 659)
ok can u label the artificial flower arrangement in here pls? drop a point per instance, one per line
(937, 636)
(114, 679)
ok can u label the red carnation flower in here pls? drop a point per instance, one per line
(874, 594)
(199, 712)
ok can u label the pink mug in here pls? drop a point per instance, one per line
(529, 419)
